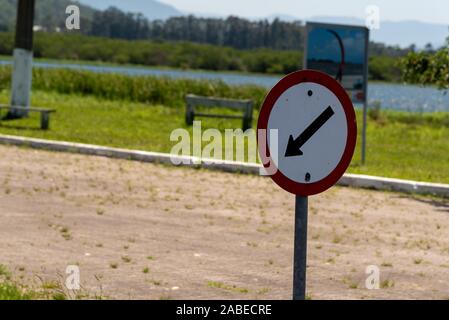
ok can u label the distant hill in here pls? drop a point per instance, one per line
(7, 13)
(401, 33)
(283, 17)
(151, 9)
(49, 13)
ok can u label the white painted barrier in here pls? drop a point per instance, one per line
(350, 180)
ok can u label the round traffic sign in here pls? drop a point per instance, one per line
(316, 132)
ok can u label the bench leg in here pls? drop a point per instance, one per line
(245, 124)
(45, 120)
(190, 115)
(248, 117)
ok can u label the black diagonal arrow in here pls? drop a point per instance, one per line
(294, 145)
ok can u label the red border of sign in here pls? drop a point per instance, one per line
(323, 79)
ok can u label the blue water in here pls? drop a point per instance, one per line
(391, 96)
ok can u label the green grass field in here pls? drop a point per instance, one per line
(400, 145)
(11, 289)
(12, 292)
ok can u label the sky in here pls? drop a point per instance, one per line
(436, 11)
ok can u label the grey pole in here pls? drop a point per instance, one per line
(300, 248)
(23, 58)
(365, 107)
(365, 103)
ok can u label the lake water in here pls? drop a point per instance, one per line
(391, 96)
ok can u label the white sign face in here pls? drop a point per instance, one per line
(312, 130)
(316, 129)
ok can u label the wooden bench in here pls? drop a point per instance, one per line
(45, 113)
(193, 101)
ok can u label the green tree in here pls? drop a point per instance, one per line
(427, 67)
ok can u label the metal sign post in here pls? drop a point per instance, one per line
(365, 102)
(300, 248)
(365, 111)
(317, 132)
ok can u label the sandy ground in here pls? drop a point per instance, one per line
(143, 231)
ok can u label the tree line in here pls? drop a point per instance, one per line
(232, 32)
(180, 55)
(430, 67)
(235, 32)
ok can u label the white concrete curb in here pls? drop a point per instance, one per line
(399, 185)
(350, 180)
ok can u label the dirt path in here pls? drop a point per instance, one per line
(208, 235)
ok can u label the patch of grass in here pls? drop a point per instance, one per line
(50, 285)
(66, 233)
(146, 270)
(4, 272)
(385, 284)
(144, 89)
(263, 291)
(350, 283)
(337, 239)
(9, 291)
(221, 285)
(59, 296)
(353, 285)
(406, 145)
(12, 290)
(252, 244)
(82, 49)
(263, 230)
